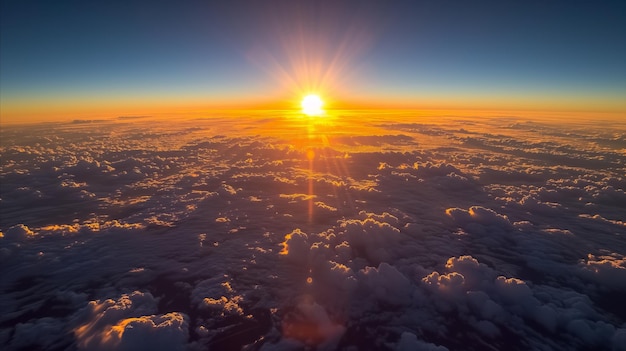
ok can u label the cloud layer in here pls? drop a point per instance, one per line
(448, 234)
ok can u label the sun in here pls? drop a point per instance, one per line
(312, 105)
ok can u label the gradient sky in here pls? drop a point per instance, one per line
(105, 58)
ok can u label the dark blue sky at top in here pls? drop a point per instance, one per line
(507, 44)
(201, 47)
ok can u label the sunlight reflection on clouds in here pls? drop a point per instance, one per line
(276, 230)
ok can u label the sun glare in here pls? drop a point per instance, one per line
(312, 105)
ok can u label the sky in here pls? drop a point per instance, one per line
(84, 59)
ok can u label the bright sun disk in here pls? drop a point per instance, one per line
(312, 105)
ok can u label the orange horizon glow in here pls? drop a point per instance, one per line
(14, 110)
(17, 112)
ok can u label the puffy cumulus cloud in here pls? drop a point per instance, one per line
(608, 270)
(129, 323)
(491, 303)
(512, 290)
(160, 332)
(293, 198)
(88, 166)
(324, 207)
(226, 190)
(217, 295)
(601, 219)
(478, 215)
(609, 195)
(505, 174)
(224, 304)
(483, 306)
(530, 203)
(296, 247)
(593, 334)
(24, 195)
(474, 273)
(372, 140)
(370, 239)
(441, 176)
(18, 232)
(35, 243)
(384, 217)
(455, 182)
(90, 227)
(429, 169)
(467, 274)
(332, 278)
(386, 284)
(445, 282)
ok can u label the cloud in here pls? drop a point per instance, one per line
(310, 324)
(481, 237)
(18, 233)
(37, 332)
(409, 342)
(478, 215)
(129, 323)
(498, 303)
(608, 270)
(296, 247)
(385, 284)
(370, 239)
